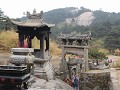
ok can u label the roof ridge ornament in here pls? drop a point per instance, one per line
(40, 14)
(28, 13)
(34, 11)
(34, 15)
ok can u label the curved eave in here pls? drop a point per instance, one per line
(24, 24)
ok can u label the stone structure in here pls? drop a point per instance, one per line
(95, 80)
(34, 26)
(22, 57)
(76, 44)
(43, 76)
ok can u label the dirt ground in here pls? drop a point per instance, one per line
(4, 57)
(114, 58)
(55, 61)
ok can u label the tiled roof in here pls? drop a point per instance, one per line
(33, 20)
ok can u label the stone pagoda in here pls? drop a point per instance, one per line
(34, 26)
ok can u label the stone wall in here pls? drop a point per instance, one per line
(95, 80)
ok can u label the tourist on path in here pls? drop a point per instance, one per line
(75, 81)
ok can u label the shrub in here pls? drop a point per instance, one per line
(117, 52)
(105, 51)
(95, 54)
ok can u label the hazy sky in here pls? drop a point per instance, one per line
(15, 8)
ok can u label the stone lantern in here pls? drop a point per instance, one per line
(34, 26)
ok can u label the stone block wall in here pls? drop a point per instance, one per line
(95, 80)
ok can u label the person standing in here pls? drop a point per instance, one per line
(75, 82)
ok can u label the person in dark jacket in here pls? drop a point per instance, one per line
(75, 82)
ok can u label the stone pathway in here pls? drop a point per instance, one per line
(114, 78)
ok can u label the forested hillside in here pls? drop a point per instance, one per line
(5, 23)
(59, 15)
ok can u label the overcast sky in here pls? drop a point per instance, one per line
(15, 8)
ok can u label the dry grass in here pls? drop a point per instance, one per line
(116, 65)
(116, 61)
(35, 43)
(54, 48)
(8, 39)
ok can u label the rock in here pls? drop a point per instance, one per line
(39, 83)
(84, 19)
(50, 85)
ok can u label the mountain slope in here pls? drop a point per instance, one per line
(59, 15)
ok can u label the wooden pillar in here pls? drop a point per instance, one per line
(42, 48)
(21, 40)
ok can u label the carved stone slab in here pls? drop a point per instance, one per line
(76, 51)
(20, 59)
(22, 50)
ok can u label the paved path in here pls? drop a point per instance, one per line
(114, 78)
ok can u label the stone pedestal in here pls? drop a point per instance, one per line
(95, 80)
(43, 69)
(21, 56)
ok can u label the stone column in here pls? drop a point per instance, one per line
(42, 48)
(47, 43)
(63, 64)
(63, 59)
(86, 58)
